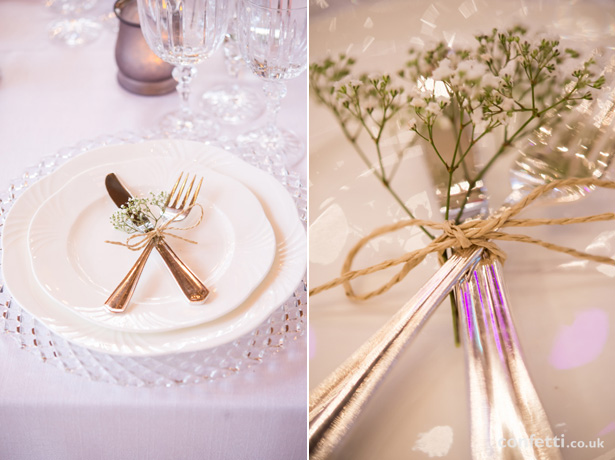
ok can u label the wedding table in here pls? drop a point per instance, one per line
(53, 97)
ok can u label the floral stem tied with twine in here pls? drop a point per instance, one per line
(143, 219)
(503, 84)
(470, 234)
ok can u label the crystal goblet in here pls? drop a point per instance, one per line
(272, 36)
(185, 33)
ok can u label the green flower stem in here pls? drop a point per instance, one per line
(507, 142)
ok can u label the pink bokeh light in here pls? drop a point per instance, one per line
(582, 341)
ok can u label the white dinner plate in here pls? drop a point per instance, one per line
(74, 263)
(286, 273)
(562, 307)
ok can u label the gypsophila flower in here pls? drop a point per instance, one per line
(433, 108)
(443, 71)
(139, 213)
(418, 102)
(503, 75)
(490, 80)
(471, 69)
(414, 92)
(507, 104)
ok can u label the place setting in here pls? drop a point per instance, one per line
(177, 255)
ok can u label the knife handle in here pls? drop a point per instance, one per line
(192, 287)
(120, 297)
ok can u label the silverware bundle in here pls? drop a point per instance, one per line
(178, 205)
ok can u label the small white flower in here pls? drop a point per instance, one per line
(507, 104)
(471, 69)
(412, 123)
(418, 102)
(433, 108)
(355, 83)
(502, 118)
(443, 71)
(486, 57)
(414, 92)
(465, 66)
(478, 70)
(490, 80)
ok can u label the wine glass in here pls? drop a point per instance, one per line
(72, 28)
(233, 102)
(272, 37)
(184, 33)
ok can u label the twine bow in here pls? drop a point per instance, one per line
(470, 234)
(138, 241)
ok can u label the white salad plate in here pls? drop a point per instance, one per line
(562, 307)
(286, 273)
(75, 264)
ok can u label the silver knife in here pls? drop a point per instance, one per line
(193, 288)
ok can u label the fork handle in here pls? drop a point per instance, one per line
(192, 287)
(120, 297)
(504, 404)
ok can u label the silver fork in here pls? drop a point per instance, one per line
(193, 288)
(498, 379)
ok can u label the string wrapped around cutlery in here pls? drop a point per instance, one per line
(471, 234)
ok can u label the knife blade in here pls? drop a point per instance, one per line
(116, 190)
(121, 196)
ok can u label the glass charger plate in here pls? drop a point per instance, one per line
(285, 325)
(563, 320)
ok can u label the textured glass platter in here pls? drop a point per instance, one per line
(561, 306)
(285, 325)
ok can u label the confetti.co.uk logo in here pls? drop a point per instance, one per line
(556, 441)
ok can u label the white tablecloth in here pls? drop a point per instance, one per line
(51, 97)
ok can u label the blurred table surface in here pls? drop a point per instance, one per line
(53, 96)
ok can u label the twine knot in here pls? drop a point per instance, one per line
(470, 234)
(456, 233)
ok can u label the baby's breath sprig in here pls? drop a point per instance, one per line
(362, 105)
(140, 213)
(505, 84)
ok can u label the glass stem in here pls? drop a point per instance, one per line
(232, 59)
(183, 75)
(232, 56)
(274, 91)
